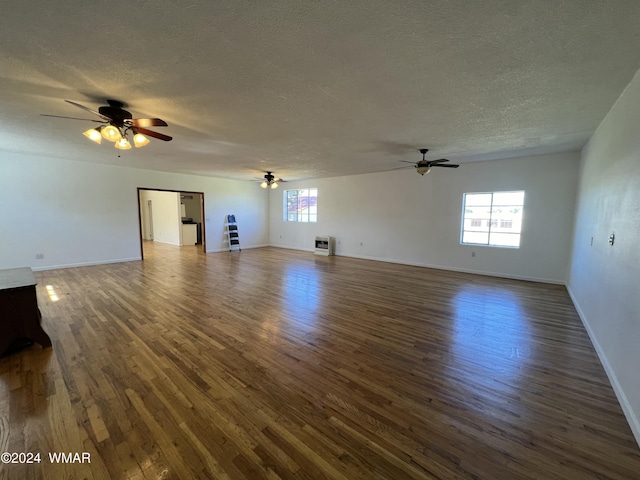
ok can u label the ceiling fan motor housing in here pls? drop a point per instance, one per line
(116, 114)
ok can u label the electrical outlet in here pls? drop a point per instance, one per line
(473, 254)
(612, 238)
(39, 256)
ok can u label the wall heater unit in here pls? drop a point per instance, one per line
(324, 246)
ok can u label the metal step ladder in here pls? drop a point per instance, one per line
(233, 236)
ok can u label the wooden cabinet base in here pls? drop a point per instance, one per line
(19, 313)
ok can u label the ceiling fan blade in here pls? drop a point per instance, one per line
(148, 122)
(88, 110)
(278, 179)
(153, 134)
(406, 161)
(442, 160)
(447, 166)
(72, 118)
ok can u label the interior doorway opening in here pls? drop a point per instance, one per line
(171, 217)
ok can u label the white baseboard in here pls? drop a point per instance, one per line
(121, 260)
(438, 267)
(293, 248)
(632, 418)
(243, 247)
(167, 243)
(461, 270)
(85, 264)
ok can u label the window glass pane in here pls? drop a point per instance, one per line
(301, 205)
(475, 237)
(508, 217)
(504, 239)
(477, 218)
(493, 218)
(476, 225)
(313, 203)
(292, 203)
(508, 198)
(517, 223)
(474, 199)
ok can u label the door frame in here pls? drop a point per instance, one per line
(204, 237)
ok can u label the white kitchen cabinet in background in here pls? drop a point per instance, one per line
(189, 234)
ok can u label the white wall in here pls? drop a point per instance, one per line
(79, 213)
(400, 216)
(604, 280)
(165, 216)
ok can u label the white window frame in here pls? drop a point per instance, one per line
(310, 216)
(492, 222)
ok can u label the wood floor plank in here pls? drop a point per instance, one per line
(279, 364)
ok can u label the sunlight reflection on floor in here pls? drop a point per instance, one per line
(491, 332)
(302, 294)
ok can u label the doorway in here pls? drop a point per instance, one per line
(171, 217)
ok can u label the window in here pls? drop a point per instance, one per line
(301, 205)
(506, 223)
(502, 212)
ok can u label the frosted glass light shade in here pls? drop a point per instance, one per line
(122, 144)
(111, 133)
(140, 140)
(93, 134)
(264, 185)
(274, 185)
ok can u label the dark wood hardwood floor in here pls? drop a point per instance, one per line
(272, 363)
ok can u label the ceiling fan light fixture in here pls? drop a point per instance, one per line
(111, 133)
(140, 140)
(423, 169)
(122, 144)
(270, 181)
(93, 134)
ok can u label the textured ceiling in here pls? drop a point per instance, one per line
(315, 89)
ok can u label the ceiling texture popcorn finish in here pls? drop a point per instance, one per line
(315, 89)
